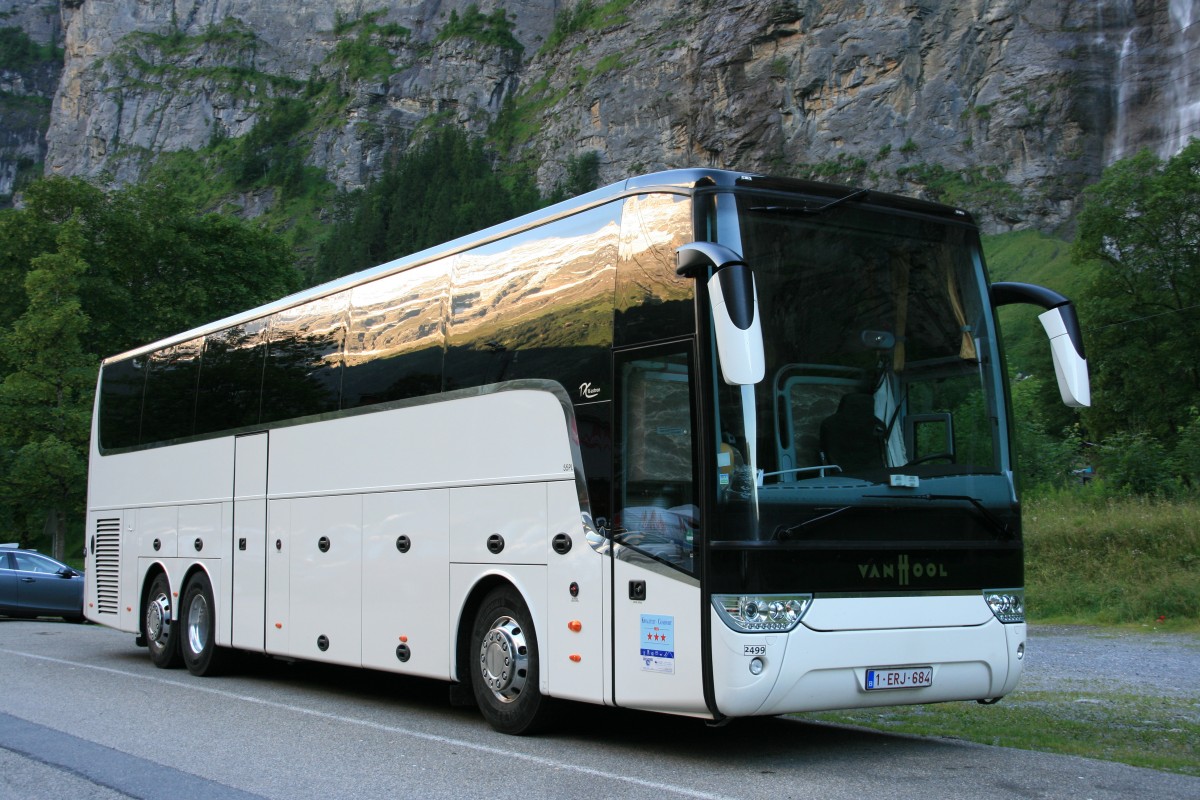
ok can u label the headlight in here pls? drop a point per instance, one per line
(1007, 604)
(764, 613)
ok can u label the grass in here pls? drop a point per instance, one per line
(1099, 560)
(1153, 732)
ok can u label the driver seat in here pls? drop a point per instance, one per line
(852, 437)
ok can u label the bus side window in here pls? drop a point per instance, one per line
(397, 336)
(537, 305)
(169, 409)
(231, 374)
(657, 512)
(122, 388)
(304, 359)
(653, 303)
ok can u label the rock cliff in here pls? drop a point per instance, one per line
(1007, 107)
(30, 64)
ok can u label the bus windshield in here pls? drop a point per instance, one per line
(882, 392)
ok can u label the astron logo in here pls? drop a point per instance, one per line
(903, 571)
(587, 391)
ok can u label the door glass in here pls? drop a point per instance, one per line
(657, 510)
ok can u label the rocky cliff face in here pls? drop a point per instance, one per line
(29, 71)
(1007, 107)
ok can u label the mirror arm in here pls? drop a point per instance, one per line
(1007, 293)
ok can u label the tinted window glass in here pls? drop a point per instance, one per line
(170, 405)
(121, 402)
(231, 378)
(538, 305)
(397, 335)
(656, 503)
(654, 303)
(304, 360)
(593, 421)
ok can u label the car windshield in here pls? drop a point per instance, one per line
(882, 385)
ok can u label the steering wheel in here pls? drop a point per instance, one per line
(932, 457)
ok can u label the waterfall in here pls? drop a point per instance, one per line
(1125, 94)
(1157, 76)
(1182, 93)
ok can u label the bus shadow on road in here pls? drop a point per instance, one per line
(751, 740)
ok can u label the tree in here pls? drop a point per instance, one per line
(155, 264)
(444, 188)
(583, 175)
(86, 273)
(45, 402)
(1141, 224)
(1045, 459)
(269, 152)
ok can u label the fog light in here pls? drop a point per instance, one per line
(756, 666)
(1020, 651)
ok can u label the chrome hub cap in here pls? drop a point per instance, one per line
(504, 659)
(198, 621)
(158, 618)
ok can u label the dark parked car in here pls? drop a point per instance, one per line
(35, 585)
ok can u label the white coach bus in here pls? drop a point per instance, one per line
(699, 442)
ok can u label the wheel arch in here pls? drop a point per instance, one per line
(191, 571)
(466, 618)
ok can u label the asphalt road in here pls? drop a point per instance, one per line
(83, 714)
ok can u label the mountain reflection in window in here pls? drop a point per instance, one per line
(653, 303)
(304, 360)
(397, 337)
(538, 305)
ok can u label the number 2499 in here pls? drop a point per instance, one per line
(754, 650)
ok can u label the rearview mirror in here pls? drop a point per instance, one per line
(1062, 328)
(734, 299)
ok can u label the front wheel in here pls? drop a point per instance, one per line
(198, 623)
(159, 624)
(504, 666)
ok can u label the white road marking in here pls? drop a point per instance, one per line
(429, 737)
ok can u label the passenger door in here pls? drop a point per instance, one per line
(656, 594)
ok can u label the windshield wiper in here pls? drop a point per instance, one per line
(858, 194)
(781, 533)
(992, 520)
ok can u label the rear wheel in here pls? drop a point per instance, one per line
(504, 665)
(159, 625)
(198, 627)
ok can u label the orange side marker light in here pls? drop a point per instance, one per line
(575, 626)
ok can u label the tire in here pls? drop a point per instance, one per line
(504, 665)
(198, 629)
(159, 624)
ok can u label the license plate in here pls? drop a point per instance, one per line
(899, 678)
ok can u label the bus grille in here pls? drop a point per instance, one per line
(108, 565)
